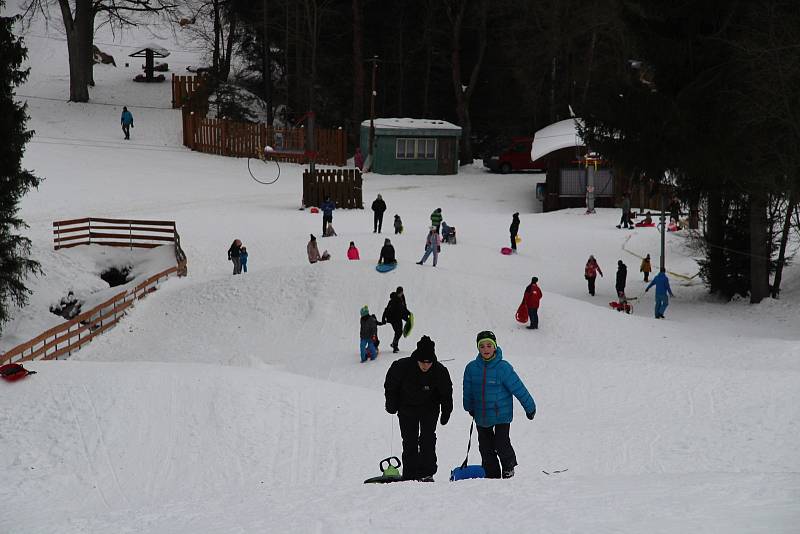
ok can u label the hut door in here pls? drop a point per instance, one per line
(445, 156)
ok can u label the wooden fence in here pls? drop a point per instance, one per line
(131, 233)
(247, 140)
(342, 185)
(191, 91)
(70, 336)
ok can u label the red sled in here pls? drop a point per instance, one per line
(314, 209)
(505, 251)
(522, 313)
(627, 308)
(11, 372)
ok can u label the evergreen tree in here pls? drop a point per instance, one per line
(15, 264)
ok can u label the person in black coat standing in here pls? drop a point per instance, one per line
(416, 387)
(622, 278)
(378, 206)
(514, 229)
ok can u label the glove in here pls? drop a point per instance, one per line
(646, 290)
(391, 409)
(531, 415)
(444, 418)
(472, 414)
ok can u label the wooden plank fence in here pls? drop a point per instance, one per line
(342, 185)
(225, 137)
(71, 335)
(191, 91)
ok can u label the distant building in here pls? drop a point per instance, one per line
(412, 146)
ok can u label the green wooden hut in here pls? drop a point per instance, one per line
(412, 146)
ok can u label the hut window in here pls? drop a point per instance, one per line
(415, 149)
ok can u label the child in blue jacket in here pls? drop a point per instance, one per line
(243, 258)
(489, 384)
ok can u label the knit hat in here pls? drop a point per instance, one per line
(534, 280)
(364, 311)
(425, 350)
(312, 237)
(486, 335)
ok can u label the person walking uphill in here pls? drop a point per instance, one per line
(489, 384)
(590, 272)
(662, 290)
(625, 219)
(235, 255)
(127, 122)
(513, 229)
(415, 388)
(433, 245)
(394, 314)
(645, 267)
(368, 334)
(327, 207)
(378, 206)
(532, 297)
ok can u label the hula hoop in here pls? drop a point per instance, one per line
(265, 162)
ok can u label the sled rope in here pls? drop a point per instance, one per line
(259, 181)
(469, 443)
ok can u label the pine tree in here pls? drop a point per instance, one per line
(15, 265)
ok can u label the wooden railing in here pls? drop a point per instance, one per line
(244, 139)
(70, 336)
(189, 90)
(343, 186)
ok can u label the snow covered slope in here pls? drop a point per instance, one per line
(238, 404)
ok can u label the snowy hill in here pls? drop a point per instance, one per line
(238, 404)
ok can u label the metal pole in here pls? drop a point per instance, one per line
(662, 263)
(374, 61)
(590, 170)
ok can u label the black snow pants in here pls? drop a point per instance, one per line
(377, 223)
(494, 442)
(397, 326)
(591, 280)
(418, 432)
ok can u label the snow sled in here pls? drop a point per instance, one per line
(522, 313)
(390, 473)
(314, 209)
(11, 372)
(409, 325)
(505, 251)
(465, 471)
(385, 267)
(626, 307)
(645, 225)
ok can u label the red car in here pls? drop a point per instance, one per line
(516, 157)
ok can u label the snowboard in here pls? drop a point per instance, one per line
(409, 325)
(385, 267)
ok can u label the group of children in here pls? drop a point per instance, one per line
(395, 314)
(660, 281)
(237, 253)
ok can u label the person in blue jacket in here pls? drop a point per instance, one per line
(127, 122)
(489, 384)
(662, 290)
(328, 206)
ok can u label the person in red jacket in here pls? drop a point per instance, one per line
(532, 297)
(590, 273)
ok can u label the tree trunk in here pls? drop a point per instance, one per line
(787, 227)
(90, 50)
(462, 94)
(79, 39)
(358, 73)
(217, 31)
(714, 238)
(426, 80)
(266, 67)
(399, 52)
(226, 60)
(759, 248)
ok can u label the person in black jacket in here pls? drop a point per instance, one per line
(415, 388)
(387, 252)
(514, 229)
(378, 206)
(394, 314)
(622, 278)
(234, 255)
